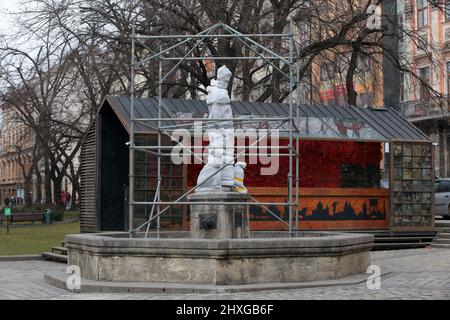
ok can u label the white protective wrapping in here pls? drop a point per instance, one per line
(213, 182)
(220, 134)
(239, 168)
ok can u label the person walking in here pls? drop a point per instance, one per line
(63, 197)
(68, 198)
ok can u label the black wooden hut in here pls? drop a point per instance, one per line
(105, 164)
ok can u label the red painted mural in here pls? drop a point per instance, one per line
(332, 192)
(320, 164)
(323, 209)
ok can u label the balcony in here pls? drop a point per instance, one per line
(417, 110)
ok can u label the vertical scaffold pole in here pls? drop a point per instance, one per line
(135, 63)
(131, 155)
(297, 154)
(291, 40)
(158, 219)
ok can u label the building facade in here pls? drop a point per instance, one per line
(424, 82)
(15, 157)
(424, 46)
(16, 147)
(329, 83)
(329, 69)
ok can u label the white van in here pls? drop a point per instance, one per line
(442, 197)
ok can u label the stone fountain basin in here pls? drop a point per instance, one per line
(266, 257)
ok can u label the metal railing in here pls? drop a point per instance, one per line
(423, 109)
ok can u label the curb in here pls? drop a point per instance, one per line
(58, 279)
(23, 257)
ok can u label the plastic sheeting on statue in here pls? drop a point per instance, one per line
(221, 137)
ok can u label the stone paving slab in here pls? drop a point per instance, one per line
(416, 274)
(22, 257)
(58, 279)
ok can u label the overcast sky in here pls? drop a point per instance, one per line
(4, 18)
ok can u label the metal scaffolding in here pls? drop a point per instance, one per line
(261, 53)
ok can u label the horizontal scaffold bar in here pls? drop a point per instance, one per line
(196, 154)
(212, 202)
(201, 36)
(213, 119)
(224, 58)
(193, 147)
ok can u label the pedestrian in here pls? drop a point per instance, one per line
(13, 200)
(7, 201)
(63, 197)
(68, 198)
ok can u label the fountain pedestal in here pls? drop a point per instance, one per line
(223, 221)
(219, 250)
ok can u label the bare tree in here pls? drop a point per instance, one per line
(82, 54)
(35, 86)
(340, 27)
(65, 81)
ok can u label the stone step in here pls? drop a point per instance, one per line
(441, 231)
(59, 250)
(440, 245)
(404, 239)
(54, 257)
(441, 240)
(442, 223)
(442, 227)
(400, 245)
(444, 235)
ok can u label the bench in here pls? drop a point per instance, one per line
(24, 217)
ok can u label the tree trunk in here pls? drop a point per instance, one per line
(48, 183)
(38, 187)
(57, 185)
(74, 178)
(75, 192)
(351, 92)
(28, 187)
(279, 22)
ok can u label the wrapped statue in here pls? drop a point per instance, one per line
(221, 137)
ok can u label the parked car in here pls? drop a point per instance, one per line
(442, 197)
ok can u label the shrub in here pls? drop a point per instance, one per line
(57, 215)
(57, 212)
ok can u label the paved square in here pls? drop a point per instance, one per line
(416, 274)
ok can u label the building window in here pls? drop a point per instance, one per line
(402, 87)
(422, 13)
(325, 72)
(357, 176)
(424, 74)
(400, 27)
(448, 79)
(447, 10)
(423, 41)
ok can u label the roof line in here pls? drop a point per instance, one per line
(387, 123)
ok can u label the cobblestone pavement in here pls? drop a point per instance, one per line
(416, 274)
